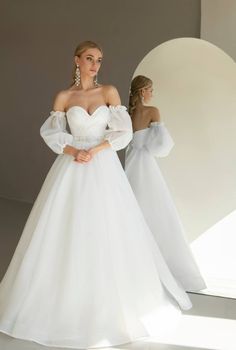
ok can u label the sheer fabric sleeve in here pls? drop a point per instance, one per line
(54, 132)
(159, 141)
(120, 130)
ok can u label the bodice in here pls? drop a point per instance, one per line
(84, 126)
(111, 123)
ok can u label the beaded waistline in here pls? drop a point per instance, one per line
(87, 139)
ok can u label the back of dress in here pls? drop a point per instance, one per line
(154, 198)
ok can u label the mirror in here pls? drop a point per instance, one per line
(194, 88)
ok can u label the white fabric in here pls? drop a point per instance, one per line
(120, 130)
(54, 132)
(159, 141)
(154, 198)
(118, 134)
(87, 271)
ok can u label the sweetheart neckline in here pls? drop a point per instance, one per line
(83, 109)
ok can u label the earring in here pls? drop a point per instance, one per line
(77, 75)
(142, 98)
(95, 80)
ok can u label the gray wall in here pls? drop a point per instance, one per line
(38, 39)
(218, 24)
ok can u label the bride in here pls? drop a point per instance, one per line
(151, 140)
(87, 272)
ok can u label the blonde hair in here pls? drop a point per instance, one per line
(83, 46)
(138, 83)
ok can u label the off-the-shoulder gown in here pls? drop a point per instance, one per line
(87, 271)
(155, 200)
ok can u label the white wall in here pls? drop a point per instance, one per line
(195, 89)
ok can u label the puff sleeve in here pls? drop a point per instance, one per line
(54, 132)
(159, 141)
(120, 130)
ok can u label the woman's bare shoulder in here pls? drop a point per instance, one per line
(153, 112)
(107, 86)
(109, 89)
(60, 99)
(151, 109)
(111, 95)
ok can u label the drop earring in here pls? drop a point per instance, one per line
(77, 75)
(96, 81)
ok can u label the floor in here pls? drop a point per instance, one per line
(210, 324)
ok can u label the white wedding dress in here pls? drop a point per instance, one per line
(87, 271)
(153, 196)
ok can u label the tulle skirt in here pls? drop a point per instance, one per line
(162, 217)
(87, 272)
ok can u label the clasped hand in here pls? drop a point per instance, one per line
(83, 156)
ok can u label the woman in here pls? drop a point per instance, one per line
(87, 272)
(152, 140)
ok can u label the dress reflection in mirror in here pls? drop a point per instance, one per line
(152, 140)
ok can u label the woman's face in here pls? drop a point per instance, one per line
(89, 62)
(147, 93)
